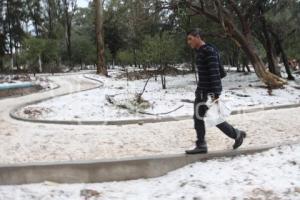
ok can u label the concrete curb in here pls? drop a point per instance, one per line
(67, 73)
(38, 92)
(134, 121)
(111, 170)
(13, 115)
(156, 119)
(43, 91)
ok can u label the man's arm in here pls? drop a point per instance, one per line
(214, 72)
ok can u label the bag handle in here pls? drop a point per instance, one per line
(215, 102)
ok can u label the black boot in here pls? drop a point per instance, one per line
(239, 139)
(200, 148)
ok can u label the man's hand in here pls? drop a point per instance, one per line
(214, 97)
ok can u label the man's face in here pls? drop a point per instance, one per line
(193, 41)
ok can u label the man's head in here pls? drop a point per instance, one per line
(194, 38)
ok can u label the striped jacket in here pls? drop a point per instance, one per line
(207, 63)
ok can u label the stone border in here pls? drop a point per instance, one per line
(111, 170)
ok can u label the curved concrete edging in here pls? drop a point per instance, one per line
(111, 170)
(41, 91)
(133, 121)
(56, 85)
(13, 115)
(130, 121)
(66, 73)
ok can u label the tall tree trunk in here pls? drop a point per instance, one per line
(1, 64)
(246, 42)
(16, 58)
(2, 50)
(283, 56)
(245, 64)
(68, 42)
(235, 57)
(10, 36)
(273, 65)
(163, 81)
(134, 58)
(101, 67)
(50, 16)
(113, 61)
(68, 25)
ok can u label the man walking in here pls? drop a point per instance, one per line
(209, 84)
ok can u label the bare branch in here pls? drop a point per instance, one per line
(139, 95)
(241, 17)
(220, 14)
(202, 11)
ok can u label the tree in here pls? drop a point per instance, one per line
(84, 50)
(125, 57)
(50, 14)
(2, 37)
(283, 24)
(160, 50)
(272, 28)
(40, 54)
(2, 50)
(101, 67)
(69, 8)
(115, 27)
(236, 19)
(34, 14)
(34, 48)
(266, 39)
(139, 23)
(14, 17)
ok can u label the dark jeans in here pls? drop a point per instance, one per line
(199, 111)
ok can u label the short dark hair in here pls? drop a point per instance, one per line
(195, 32)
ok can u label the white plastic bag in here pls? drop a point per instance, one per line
(217, 112)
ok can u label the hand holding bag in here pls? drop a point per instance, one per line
(218, 111)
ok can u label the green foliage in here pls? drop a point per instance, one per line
(50, 52)
(83, 50)
(125, 57)
(160, 49)
(293, 46)
(35, 49)
(115, 27)
(285, 20)
(135, 32)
